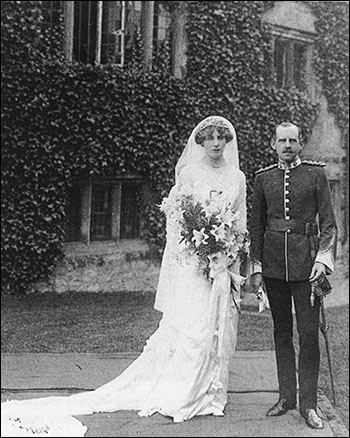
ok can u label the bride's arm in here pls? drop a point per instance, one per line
(241, 205)
(244, 268)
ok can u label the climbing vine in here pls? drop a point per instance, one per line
(332, 57)
(60, 121)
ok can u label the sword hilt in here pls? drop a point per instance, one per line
(324, 327)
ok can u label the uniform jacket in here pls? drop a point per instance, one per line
(292, 221)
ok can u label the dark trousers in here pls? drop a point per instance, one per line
(280, 295)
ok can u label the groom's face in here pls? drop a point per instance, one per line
(287, 143)
(214, 144)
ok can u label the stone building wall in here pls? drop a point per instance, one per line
(326, 144)
(104, 267)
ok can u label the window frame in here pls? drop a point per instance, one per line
(86, 188)
(292, 39)
(52, 13)
(136, 9)
(68, 12)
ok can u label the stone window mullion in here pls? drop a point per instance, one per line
(86, 213)
(116, 204)
(289, 64)
(68, 8)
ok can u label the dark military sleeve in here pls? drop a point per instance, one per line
(258, 222)
(327, 223)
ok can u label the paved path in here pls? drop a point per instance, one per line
(252, 390)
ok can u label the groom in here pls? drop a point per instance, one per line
(290, 251)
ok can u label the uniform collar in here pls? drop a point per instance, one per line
(284, 166)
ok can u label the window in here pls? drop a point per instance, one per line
(155, 28)
(290, 63)
(52, 11)
(291, 28)
(99, 32)
(101, 211)
(129, 222)
(113, 32)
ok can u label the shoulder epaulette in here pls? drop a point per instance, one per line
(264, 169)
(314, 163)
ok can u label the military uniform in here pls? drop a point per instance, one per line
(292, 226)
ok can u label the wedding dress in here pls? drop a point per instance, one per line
(183, 369)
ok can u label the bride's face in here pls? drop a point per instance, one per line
(214, 144)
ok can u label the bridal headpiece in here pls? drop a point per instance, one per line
(194, 152)
(215, 121)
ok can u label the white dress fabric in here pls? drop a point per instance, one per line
(183, 369)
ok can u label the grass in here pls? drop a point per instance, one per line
(122, 322)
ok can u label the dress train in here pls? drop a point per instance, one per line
(181, 372)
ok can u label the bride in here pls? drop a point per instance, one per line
(183, 369)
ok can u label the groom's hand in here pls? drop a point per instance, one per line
(318, 272)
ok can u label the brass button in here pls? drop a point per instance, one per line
(287, 200)
(287, 183)
(287, 218)
(289, 230)
(287, 208)
(287, 192)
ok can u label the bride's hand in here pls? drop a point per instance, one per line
(253, 283)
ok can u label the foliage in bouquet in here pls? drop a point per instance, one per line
(208, 229)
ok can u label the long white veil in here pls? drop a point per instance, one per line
(193, 152)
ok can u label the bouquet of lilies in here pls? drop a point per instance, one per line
(208, 229)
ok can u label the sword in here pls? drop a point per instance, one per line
(321, 290)
(324, 328)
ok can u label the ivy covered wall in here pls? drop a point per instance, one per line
(64, 121)
(332, 57)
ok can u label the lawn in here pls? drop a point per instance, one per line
(121, 322)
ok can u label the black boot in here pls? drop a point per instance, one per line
(280, 408)
(312, 419)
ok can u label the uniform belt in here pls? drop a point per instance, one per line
(293, 226)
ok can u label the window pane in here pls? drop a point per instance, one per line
(73, 214)
(280, 60)
(155, 28)
(290, 63)
(51, 13)
(85, 28)
(129, 221)
(299, 65)
(113, 19)
(101, 213)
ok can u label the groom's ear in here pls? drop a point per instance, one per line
(273, 143)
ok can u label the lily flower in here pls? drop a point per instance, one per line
(164, 205)
(177, 215)
(219, 232)
(233, 250)
(200, 237)
(208, 210)
(227, 217)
